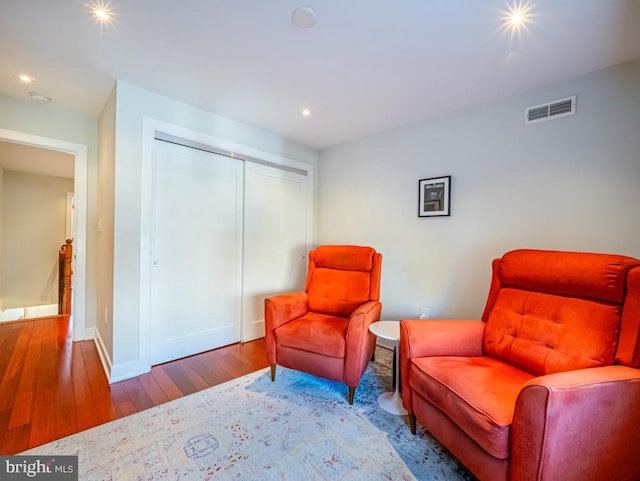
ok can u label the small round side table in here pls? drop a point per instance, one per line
(390, 330)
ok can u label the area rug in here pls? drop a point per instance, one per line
(299, 428)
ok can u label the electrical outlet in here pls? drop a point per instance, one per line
(106, 315)
(424, 312)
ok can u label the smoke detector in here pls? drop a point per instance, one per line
(304, 17)
(37, 97)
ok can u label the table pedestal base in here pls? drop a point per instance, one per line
(392, 403)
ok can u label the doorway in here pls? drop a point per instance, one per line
(79, 151)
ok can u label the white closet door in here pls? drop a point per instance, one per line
(196, 245)
(275, 244)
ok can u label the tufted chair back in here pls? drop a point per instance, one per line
(342, 277)
(544, 323)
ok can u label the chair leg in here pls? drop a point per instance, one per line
(412, 423)
(273, 372)
(352, 393)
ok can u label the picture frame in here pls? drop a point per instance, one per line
(434, 197)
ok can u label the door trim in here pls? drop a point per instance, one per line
(150, 127)
(172, 139)
(78, 280)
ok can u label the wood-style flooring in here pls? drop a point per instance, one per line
(51, 387)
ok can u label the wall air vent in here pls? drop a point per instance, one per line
(550, 110)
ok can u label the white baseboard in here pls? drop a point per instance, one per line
(117, 372)
(30, 312)
(105, 360)
(41, 311)
(14, 314)
(89, 334)
(126, 370)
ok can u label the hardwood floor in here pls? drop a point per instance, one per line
(51, 387)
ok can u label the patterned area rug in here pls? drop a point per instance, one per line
(298, 428)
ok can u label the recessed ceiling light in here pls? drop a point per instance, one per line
(304, 17)
(517, 17)
(28, 79)
(101, 11)
(306, 112)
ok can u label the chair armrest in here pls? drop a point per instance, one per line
(421, 338)
(588, 416)
(359, 341)
(284, 308)
(362, 317)
(278, 310)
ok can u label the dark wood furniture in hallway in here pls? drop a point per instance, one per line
(51, 387)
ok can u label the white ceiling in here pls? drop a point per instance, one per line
(34, 160)
(367, 66)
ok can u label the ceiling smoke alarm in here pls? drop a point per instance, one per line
(304, 17)
(39, 98)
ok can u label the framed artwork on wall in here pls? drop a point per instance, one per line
(434, 197)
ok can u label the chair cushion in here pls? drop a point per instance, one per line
(339, 278)
(344, 257)
(314, 332)
(574, 274)
(543, 333)
(477, 393)
(337, 292)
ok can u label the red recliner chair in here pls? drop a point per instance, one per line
(546, 386)
(324, 330)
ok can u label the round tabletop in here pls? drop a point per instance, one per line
(386, 329)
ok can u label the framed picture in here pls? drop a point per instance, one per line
(434, 197)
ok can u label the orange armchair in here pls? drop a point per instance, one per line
(546, 385)
(325, 329)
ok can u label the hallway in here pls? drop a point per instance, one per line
(51, 387)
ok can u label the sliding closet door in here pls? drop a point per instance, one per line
(275, 240)
(196, 244)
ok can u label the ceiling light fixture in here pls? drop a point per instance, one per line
(306, 112)
(28, 79)
(517, 17)
(304, 17)
(101, 12)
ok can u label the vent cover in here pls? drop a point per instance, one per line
(550, 110)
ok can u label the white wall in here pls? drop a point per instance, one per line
(104, 242)
(1, 234)
(33, 209)
(49, 121)
(567, 184)
(132, 105)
